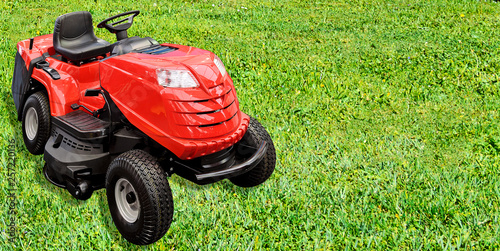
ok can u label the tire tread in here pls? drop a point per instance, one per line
(153, 188)
(265, 168)
(37, 146)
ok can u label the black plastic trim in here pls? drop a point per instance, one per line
(82, 125)
(239, 168)
(78, 166)
(52, 73)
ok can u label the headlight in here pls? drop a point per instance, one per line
(220, 66)
(176, 78)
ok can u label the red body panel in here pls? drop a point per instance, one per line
(190, 122)
(74, 80)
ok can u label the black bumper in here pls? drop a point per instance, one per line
(201, 176)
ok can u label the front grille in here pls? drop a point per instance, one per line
(206, 113)
(214, 124)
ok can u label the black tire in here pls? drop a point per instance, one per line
(36, 122)
(146, 222)
(255, 134)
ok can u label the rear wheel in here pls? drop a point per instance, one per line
(139, 197)
(255, 134)
(36, 123)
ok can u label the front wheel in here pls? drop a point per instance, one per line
(139, 197)
(36, 123)
(254, 136)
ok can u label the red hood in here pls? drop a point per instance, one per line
(209, 112)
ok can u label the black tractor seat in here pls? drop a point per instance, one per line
(74, 37)
(82, 125)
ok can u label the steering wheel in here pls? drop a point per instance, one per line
(119, 27)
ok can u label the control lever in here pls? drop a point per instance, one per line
(44, 65)
(90, 93)
(76, 106)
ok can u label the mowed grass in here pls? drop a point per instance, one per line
(384, 115)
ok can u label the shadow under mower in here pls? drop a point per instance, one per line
(126, 115)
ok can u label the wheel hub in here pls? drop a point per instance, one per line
(130, 198)
(31, 125)
(126, 200)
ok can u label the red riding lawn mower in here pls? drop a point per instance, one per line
(127, 115)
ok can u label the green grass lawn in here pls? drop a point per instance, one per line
(385, 116)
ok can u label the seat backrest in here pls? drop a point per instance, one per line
(74, 37)
(72, 29)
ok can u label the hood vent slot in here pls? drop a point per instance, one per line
(156, 50)
(219, 122)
